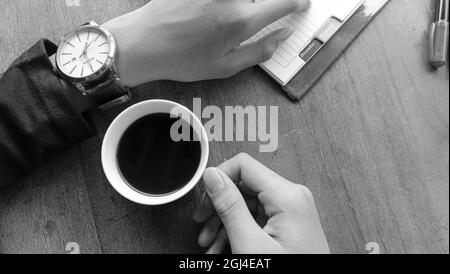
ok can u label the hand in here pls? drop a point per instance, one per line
(293, 224)
(191, 40)
(87, 46)
(83, 53)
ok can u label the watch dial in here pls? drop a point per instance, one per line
(84, 53)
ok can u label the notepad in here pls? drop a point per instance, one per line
(313, 28)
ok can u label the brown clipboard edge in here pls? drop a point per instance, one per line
(308, 77)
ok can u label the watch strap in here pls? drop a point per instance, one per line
(109, 93)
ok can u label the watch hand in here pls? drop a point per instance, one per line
(88, 46)
(84, 50)
(89, 62)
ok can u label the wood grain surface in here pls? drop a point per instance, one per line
(371, 141)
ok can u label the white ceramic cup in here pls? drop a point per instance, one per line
(115, 133)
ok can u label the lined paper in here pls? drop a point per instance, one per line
(306, 25)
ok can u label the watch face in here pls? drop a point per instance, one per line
(84, 53)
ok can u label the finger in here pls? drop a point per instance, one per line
(229, 205)
(246, 190)
(251, 54)
(252, 204)
(204, 210)
(264, 13)
(257, 177)
(219, 244)
(209, 231)
(213, 224)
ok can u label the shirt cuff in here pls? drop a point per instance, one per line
(62, 102)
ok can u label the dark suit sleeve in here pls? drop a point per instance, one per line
(37, 114)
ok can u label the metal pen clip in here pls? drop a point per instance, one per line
(439, 35)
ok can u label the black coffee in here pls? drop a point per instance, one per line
(149, 159)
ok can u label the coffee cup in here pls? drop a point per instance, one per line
(149, 158)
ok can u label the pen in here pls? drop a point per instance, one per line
(439, 35)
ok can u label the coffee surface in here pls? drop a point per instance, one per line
(151, 162)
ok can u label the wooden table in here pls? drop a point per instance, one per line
(371, 141)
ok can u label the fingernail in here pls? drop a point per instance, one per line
(285, 34)
(214, 183)
(302, 4)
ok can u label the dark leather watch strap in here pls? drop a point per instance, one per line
(108, 92)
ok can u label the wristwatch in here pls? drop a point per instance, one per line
(87, 59)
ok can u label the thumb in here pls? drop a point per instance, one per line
(229, 205)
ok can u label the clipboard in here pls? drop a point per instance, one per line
(330, 52)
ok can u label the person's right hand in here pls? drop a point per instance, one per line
(293, 224)
(192, 40)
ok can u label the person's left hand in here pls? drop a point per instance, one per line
(243, 188)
